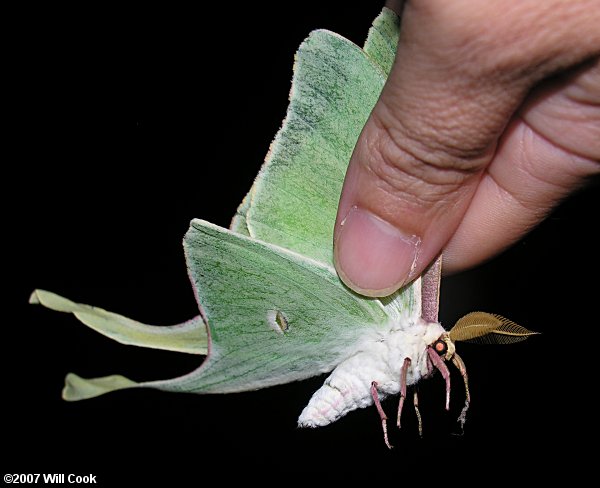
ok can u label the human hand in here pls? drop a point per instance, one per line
(490, 116)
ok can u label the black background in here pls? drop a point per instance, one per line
(127, 126)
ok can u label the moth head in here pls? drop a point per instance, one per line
(474, 327)
(444, 346)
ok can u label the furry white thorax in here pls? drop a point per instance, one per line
(379, 357)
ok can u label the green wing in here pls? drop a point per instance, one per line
(187, 337)
(335, 86)
(295, 196)
(275, 268)
(382, 40)
(243, 285)
(293, 201)
(238, 223)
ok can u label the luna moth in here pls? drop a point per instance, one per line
(272, 309)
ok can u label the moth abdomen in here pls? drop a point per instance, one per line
(324, 407)
(346, 389)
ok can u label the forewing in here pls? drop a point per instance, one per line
(380, 47)
(239, 223)
(382, 40)
(294, 199)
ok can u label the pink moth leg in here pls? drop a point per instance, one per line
(403, 374)
(439, 363)
(458, 362)
(382, 414)
(416, 403)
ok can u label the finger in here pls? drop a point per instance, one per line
(550, 148)
(424, 149)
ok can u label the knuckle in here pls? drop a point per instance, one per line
(465, 39)
(411, 171)
(510, 39)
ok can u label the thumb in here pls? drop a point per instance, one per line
(429, 139)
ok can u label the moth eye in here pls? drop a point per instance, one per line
(440, 347)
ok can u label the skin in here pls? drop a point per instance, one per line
(489, 118)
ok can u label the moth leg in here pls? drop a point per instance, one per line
(439, 363)
(382, 414)
(403, 374)
(416, 402)
(458, 362)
